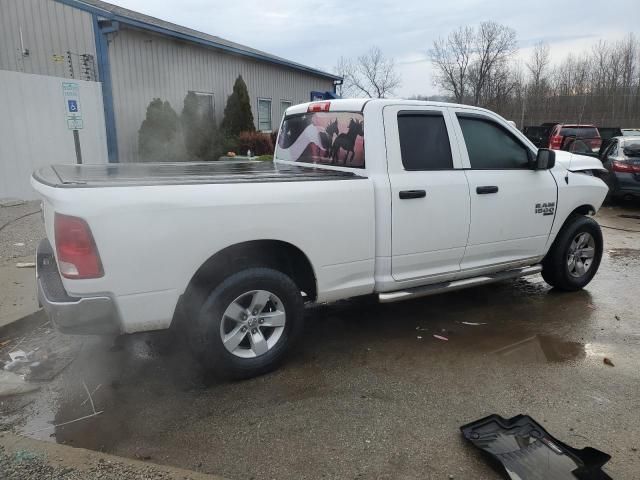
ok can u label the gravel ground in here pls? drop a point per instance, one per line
(25, 465)
(25, 459)
(21, 229)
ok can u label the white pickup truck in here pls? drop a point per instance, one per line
(443, 197)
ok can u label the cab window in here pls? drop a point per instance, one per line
(424, 141)
(490, 146)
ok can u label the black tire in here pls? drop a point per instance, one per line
(205, 330)
(555, 268)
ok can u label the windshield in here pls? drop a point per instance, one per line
(330, 138)
(581, 132)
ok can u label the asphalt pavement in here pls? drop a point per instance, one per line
(370, 392)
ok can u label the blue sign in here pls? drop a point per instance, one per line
(73, 105)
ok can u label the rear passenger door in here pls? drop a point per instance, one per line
(429, 193)
(512, 206)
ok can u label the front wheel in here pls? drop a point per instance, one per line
(248, 323)
(575, 255)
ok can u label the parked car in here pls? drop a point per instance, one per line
(445, 197)
(539, 135)
(621, 158)
(607, 133)
(586, 133)
(631, 132)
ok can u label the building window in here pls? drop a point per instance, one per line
(264, 114)
(284, 104)
(206, 104)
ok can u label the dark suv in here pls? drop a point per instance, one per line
(621, 158)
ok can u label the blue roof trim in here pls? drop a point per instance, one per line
(190, 38)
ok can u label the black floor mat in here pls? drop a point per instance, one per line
(525, 451)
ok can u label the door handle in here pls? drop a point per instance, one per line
(486, 189)
(407, 194)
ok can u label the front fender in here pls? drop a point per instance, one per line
(575, 191)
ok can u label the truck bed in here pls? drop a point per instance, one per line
(141, 174)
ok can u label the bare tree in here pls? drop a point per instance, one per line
(493, 46)
(600, 85)
(451, 57)
(370, 75)
(629, 50)
(469, 58)
(539, 64)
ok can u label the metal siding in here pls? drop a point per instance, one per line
(39, 135)
(48, 28)
(147, 65)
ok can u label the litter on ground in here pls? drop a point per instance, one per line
(12, 384)
(440, 337)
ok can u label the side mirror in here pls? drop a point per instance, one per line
(545, 160)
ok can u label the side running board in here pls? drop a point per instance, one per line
(410, 293)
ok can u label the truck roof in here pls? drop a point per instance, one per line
(358, 104)
(143, 174)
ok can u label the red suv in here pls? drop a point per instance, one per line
(564, 135)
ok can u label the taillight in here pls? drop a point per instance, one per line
(625, 167)
(77, 252)
(319, 107)
(555, 142)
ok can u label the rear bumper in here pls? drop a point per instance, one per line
(75, 315)
(625, 183)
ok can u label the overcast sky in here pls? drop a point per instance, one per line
(317, 33)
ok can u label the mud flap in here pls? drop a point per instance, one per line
(523, 450)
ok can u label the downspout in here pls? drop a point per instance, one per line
(101, 28)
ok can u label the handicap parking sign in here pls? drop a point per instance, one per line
(73, 112)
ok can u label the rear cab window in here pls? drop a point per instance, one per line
(327, 138)
(424, 141)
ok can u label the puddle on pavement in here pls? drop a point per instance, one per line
(542, 348)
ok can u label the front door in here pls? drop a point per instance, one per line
(429, 193)
(512, 206)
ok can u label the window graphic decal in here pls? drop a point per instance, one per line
(330, 138)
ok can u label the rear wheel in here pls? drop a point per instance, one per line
(248, 323)
(575, 255)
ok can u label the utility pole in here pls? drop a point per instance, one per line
(524, 99)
